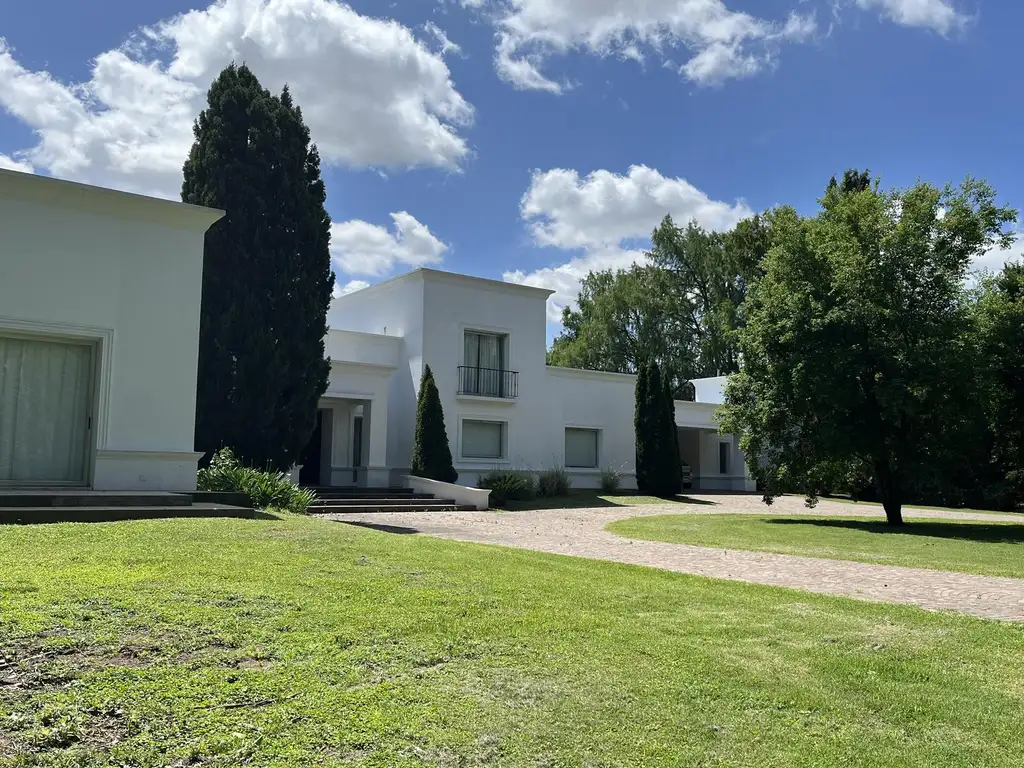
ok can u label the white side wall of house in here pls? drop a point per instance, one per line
(123, 273)
(595, 401)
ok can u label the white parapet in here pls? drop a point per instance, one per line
(460, 494)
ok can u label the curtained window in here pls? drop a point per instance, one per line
(581, 448)
(483, 439)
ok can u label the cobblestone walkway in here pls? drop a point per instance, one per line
(580, 533)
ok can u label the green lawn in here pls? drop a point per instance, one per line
(583, 499)
(994, 549)
(301, 642)
(875, 506)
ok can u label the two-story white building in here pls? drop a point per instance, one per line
(504, 407)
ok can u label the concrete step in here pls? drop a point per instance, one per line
(363, 496)
(38, 515)
(355, 489)
(81, 498)
(381, 501)
(424, 507)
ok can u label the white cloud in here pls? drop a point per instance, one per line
(995, 259)
(350, 287)
(361, 248)
(724, 44)
(940, 15)
(10, 164)
(372, 93)
(601, 216)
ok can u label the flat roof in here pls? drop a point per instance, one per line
(17, 185)
(440, 275)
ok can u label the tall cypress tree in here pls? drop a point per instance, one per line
(674, 462)
(267, 276)
(641, 424)
(431, 454)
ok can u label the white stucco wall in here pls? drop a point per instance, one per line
(126, 272)
(453, 305)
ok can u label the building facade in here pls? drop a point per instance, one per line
(99, 336)
(505, 408)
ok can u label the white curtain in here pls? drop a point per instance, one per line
(483, 350)
(581, 448)
(482, 439)
(44, 391)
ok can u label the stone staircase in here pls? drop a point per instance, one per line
(363, 500)
(82, 506)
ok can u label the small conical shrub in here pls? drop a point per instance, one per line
(431, 454)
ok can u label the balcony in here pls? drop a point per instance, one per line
(488, 382)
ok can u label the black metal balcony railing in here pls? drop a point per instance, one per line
(488, 382)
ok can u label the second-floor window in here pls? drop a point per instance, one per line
(484, 364)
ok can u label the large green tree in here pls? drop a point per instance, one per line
(431, 453)
(267, 276)
(622, 320)
(680, 309)
(1000, 317)
(855, 340)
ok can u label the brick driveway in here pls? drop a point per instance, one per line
(580, 533)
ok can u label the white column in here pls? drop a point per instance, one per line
(375, 442)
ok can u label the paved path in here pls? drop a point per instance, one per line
(580, 533)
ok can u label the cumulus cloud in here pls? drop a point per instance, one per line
(361, 248)
(350, 287)
(10, 164)
(372, 93)
(940, 15)
(723, 44)
(601, 216)
(995, 259)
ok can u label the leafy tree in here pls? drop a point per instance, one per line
(267, 273)
(855, 341)
(681, 309)
(1000, 315)
(622, 320)
(431, 454)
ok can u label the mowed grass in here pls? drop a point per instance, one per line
(989, 548)
(301, 642)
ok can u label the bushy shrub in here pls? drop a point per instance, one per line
(553, 483)
(264, 489)
(508, 485)
(610, 480)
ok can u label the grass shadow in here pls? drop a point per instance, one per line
(398, 530)
(992, 533)
(50, 516)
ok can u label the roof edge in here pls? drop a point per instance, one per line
(16, 185)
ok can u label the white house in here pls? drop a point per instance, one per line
(99, 336)
(99, 331)
(485, 342)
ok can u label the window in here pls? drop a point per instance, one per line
(485, 350)
(483, 372)
(723, 458)
(483, 439)
(581, 448)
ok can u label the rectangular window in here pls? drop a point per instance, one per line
(484, 365)
(483, 440)
(581, 448)
(723, 458)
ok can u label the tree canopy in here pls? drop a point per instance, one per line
(680, 309)
(855, 339)
(267, 276)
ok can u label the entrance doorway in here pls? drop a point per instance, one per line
(309, 475)
(45, 421)
(357, 448)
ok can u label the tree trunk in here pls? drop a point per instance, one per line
(889, 493)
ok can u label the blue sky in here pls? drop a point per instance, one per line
(530, 139)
